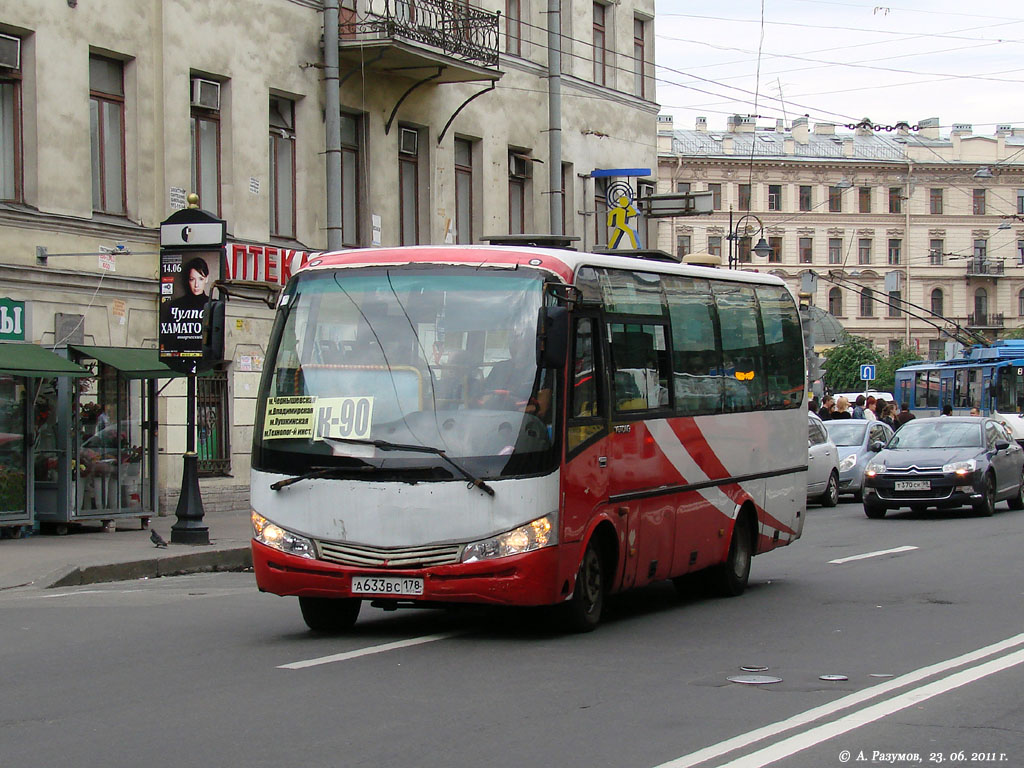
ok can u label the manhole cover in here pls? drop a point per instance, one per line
(882, 674)
(834, 678)
(753, 668)
(754, 679)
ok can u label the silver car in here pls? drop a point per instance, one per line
(857, 441)
(822, 464)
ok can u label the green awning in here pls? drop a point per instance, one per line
(32, 360)
(132, 363)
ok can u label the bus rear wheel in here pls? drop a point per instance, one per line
(327, 614)
(583, 611)
(730, 578)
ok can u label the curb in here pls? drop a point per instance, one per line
(238, 559)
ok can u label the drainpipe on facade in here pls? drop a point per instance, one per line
(906, 213)
(332, 125)
(557, 226)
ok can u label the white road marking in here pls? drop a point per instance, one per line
(862, 717)
(826, 710)
(369, 651)
(865, 556)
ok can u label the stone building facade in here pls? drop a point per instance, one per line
(903, 234)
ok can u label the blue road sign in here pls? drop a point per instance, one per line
(867, 373)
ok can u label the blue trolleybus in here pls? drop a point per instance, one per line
(989, 378)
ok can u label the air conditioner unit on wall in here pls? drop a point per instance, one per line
(520, 166)
(10, 52)
(205, 93)
(408, 141)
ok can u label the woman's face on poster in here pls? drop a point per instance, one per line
(196, 282)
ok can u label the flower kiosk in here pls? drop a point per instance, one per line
(30, 379)
(104, 448)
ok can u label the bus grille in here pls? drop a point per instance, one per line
(381, 557)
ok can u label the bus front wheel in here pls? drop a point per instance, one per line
(583, 611)
(326, 614)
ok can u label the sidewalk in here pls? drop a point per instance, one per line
(88, 555)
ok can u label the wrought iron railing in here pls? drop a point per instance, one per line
(984, 267)
(213, 427)
(454, 28)
(985, 320)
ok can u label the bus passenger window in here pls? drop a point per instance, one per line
(696, 359)
(584, 391)
(640, 360)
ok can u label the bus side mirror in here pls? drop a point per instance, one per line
(213, 334)
(552, 337)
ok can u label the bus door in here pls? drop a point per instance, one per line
(639, 376)
(987, 393)
(586, 473)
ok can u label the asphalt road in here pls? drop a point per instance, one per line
(204, 671)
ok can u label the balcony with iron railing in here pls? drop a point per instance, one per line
(985, 320)
(983, 267)
(411, 38)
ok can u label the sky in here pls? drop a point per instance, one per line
(840, 61)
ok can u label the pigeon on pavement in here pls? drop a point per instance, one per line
(157, 539)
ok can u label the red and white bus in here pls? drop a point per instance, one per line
(522, 427)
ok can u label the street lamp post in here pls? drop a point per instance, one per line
(762, 248)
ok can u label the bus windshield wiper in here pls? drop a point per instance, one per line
(384, 445)
(317, 472)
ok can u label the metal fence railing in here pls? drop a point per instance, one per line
(213, 425)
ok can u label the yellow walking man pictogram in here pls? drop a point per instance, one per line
(618, 222)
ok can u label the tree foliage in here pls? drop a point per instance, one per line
(885, 375)
(843, 362)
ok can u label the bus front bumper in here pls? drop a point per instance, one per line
(531, 579)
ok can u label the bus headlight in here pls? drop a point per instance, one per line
(961, 468)
(277, 537)
(848, 462)
(540, 533)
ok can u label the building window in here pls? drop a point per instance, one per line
(743, 192)
(350, 199)
(716, 196)
(715, 246)
(980, 249)
(600, 12)
(935, 200)
(864, 199)
(205, 146)
(683, 187)
(979, 202)
(864, 250)
(935, 248)
(10, 132)
(775, 257)
(1020, 304)
(1020, 253)
(601, 212)
(1020, 201)
(639, 37)
(464, 191)
(106, 123)
(894, 346)
(938, 302)
(835, 302)
(282, 167)
(805, 247)
(682, 245)
(744, 250)
(835, 250)
(213, 427)
(895, 246)
(895, 305)
(936, 349)
(835, 200)
(774, 197)
(513, 28)
(867, 303)
(895, 200)
(806, 198)
(409, 188)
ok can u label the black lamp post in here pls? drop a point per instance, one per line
(762, 248)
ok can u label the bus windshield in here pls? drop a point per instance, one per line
(443, 358)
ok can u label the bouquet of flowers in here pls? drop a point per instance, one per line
(90, 412)
(133, 455)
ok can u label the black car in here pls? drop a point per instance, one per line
(946, 461)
